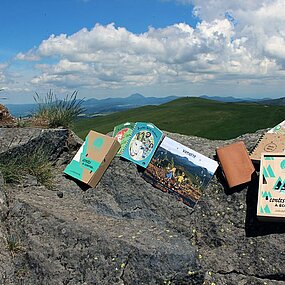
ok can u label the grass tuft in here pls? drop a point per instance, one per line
(22, 123)
(14, 244)
(53, 112)
(9, 172)
(36, 164)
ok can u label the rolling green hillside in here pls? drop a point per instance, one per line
(193, 116)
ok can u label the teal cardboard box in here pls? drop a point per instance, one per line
(142, 143)
(93, 158)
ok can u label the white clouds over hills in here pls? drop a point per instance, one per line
(239, 40)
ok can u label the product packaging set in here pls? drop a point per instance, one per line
(183, 172)
(269, 153)
(169, 165)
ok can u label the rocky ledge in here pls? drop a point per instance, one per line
(127, 232)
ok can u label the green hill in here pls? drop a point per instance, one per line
(193, 116)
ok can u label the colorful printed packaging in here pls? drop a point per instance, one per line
(142, 143)
(122, 134)
(271, 192)
(93, 158)
(180, 171)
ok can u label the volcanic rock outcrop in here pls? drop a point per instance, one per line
(127, 232)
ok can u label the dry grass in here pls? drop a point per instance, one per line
(52, 112)
(36, 164)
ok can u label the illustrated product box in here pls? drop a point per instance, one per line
(93, 158)
(179, 170)
(122, 134)
(142, 144)
(271, 192)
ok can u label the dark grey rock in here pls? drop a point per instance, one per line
(24, 141)
(29, 180)
(6, 263)
(127, 232)
(3, 200)
(74, 141)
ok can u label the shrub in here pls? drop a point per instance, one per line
(54, 112)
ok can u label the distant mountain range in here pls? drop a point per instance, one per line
(95, 106)
(111, 105)
(277, 102)
(99, 106)
(263, 101)
(230, 99)
(21, 110)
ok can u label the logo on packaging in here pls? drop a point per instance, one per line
(98, 143)
(270, 147)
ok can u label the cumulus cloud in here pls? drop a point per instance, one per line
(11, 82)
(261, 23)
(31, 55)
(2, 77)
(234, 40)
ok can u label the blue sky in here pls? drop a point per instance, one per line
(154, 47)
(25, 24)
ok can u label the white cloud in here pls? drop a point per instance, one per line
(235, 41)
(3, 75)
(258, 21)
(114, 56)
(11, 81)
(275, 46)
(29, 56)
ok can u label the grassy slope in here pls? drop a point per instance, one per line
(193, 116)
